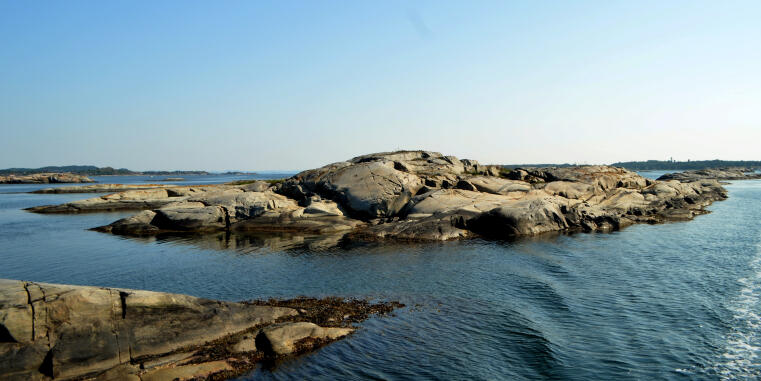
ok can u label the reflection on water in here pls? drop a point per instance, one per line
(249, 242)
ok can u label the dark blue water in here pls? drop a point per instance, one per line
(672, 301)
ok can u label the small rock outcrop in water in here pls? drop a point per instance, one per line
(417, 195)
(52, 331)
(101, 188)
(712, 174)
(45, 178)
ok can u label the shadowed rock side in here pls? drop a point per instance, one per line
(45, 178)
(51, 331)
(417, 195)
(712, 174)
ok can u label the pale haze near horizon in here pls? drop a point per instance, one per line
(295, 85)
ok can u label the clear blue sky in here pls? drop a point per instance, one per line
(258, 85)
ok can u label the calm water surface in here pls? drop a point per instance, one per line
(672, 301)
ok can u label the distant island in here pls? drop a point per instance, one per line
(91, 170)
(668, 165)
(544, 165)
(408, 195)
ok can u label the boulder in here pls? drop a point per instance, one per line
(287, 338)
(368, 189)
(526, 217)
(497, 185)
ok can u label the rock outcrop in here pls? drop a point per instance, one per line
(418, 195)
(62, 332)
(45, 178)
(101, 188)
(712, 174)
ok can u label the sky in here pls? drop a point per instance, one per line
(291, 85)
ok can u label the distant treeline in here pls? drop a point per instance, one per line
(91, 170)
(684, 165)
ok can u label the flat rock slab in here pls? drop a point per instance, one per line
(100, 188)
(187, 372)
(64, 332)
(71, 331)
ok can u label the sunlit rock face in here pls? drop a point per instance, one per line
(65, 332)
(412, 195)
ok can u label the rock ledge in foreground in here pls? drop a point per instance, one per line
(63, 332)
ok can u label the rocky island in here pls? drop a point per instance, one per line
(45, 178)
(100, 188)
(63, 332)
(713, 174)
(411, 195)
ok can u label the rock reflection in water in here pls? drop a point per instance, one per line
(250, 241)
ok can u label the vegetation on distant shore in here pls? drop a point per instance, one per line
(685, 165)
(656, 165)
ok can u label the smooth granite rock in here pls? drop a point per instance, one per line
(64, 332)
(284, 339)
(413, 195)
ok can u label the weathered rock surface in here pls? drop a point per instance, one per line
(416, 195)
(286, 338)
(100, 188)
(712, 174)
(45, 178)
(134, 199)
(51, 331)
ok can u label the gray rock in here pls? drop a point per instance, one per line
(45, 178)
(369, 189)
(711, 174)
(78, 331)
(191, 218)
(412, 195)
(529, 217)
(100, 188)
(284, 339)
